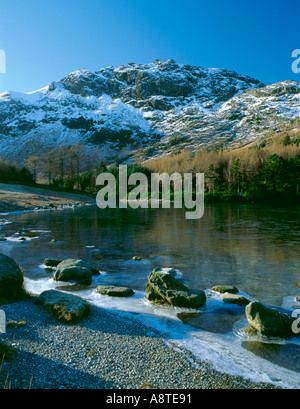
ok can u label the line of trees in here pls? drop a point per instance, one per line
(273, 175)
(262, 171)
(255, 172)
(12, 173)
(68, 167)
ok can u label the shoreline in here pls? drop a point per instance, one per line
(20, 198)
(105, 351)
(61, 207)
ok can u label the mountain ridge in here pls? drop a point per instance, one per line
(140, 111)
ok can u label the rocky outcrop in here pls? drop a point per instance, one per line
(269, 320)
(163, 288)
(115, 290)
(11, 280)
(74, 270)
(67, 308)
(144, 107)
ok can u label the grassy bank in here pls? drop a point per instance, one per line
(14, 197)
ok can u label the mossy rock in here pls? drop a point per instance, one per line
(270, 321)
(67, 308)
(163, 288)
(225, 289)
(115, 290)
(51, 262)
(74, 270)
(238, 299)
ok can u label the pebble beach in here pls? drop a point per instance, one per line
(105, 351)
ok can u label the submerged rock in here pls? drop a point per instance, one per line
(97, 254)
(219, 321)
(187, 317)
(269, 320)
(11, 280)
(115, 290)
(280, 354)
(74, 270)
(225, 289)
(67, 308)
(163, 288)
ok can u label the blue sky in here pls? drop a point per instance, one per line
(45, 40)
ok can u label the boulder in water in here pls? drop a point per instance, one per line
(51, 262)
(163, 288)
(269, 320)
(225, 289)
(74, 270)
(238, 299)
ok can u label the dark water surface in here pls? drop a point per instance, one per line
(255, 248)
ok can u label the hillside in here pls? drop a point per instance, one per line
(141, 111)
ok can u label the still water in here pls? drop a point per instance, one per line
(255, 248)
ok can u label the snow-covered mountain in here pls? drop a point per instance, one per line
(143, 110)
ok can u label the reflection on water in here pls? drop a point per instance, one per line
(254, 248)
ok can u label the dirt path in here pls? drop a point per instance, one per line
(18, 197)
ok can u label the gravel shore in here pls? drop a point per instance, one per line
(105, 351)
